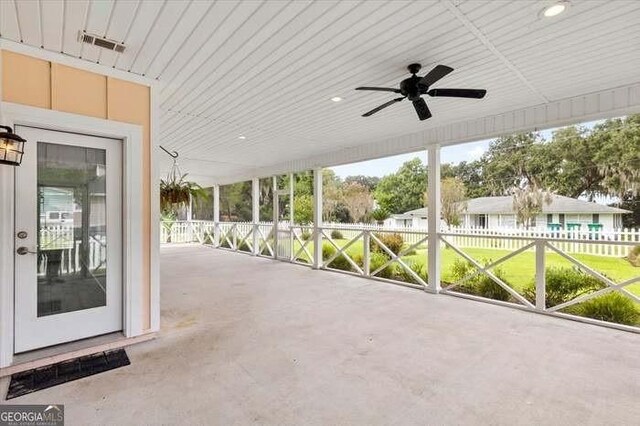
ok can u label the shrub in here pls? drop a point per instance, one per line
(461, 269)
(376, 260)
(394, 242)
(486, 287)
(612, 307)
(305, 235)
(634, 256)
(336, 235)
(339, 262)
(564, 284)
(244, 246)
(420, 270)
(480, 285)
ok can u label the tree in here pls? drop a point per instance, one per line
(235, 202)
(303, 209)
(331, 196)
(357, 199)
(368, 181)
(528, 202)
(572, 169)
(453, 194)
(619, 155)
(472, 176)
(379, 215)
(513, 161)
(453, 200)
(402, 191)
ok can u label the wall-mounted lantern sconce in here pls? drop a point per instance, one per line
(11, 147)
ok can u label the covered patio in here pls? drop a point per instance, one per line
(282, 344)
(248, 320)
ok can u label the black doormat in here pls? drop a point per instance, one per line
(66, 371)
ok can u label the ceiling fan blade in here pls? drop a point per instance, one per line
(458, 93)
(379, 89)
(422, 109)
(434, 75)
(373, 111)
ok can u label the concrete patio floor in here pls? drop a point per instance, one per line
(251, 340)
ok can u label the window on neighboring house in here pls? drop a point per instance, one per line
(561, 218)
(549, 218)
(482, 221)
(595, 218)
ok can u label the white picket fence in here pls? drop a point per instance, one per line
(576, 242)
(57, 245)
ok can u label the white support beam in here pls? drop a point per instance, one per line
(276, 215)
(190, 209)
(317, 218)
(433, 218)
(255, 214)
(216, 215)
(541, 292)
(291, 195)
(291, 221)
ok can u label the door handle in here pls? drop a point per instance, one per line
(23, 250)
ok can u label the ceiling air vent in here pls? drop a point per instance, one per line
(102, 42)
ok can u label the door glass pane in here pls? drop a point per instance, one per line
(72, 238)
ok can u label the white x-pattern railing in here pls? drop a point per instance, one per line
(295, 243)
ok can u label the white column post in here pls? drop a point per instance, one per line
(190, 209)
(216, 215)
(255, 214)
(541, 292)
(317, 218)
(276, 216)
(190, 229)
(291, 221)
(433, 218)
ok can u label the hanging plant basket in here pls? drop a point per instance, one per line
(176, 191)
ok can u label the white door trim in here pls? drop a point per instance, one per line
(131, 135)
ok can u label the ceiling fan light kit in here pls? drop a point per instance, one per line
(414, 87)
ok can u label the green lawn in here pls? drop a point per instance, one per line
(519, 271)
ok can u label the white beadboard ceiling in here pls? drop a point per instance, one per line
(267, 69)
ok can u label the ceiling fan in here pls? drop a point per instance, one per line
(414, 87)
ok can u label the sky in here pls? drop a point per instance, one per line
(450, 154)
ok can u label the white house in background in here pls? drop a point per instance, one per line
(498, 213)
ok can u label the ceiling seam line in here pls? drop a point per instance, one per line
(167, 36)
(106, 30)
(179, 49)
(146, 37)
(87, 12)
(126, 35)
(164, 99)
(15, 8)
(275, 33)
(301, 44)
(64, 26)
(230, 109)
(211, 107)
(492, 48)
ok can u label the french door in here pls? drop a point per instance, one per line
(68, 238)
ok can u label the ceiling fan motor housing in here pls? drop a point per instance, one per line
(410, 88)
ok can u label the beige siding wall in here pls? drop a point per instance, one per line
(43, 84)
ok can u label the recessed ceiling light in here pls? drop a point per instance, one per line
(336, 99)
(554, 9)
(243, 137)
